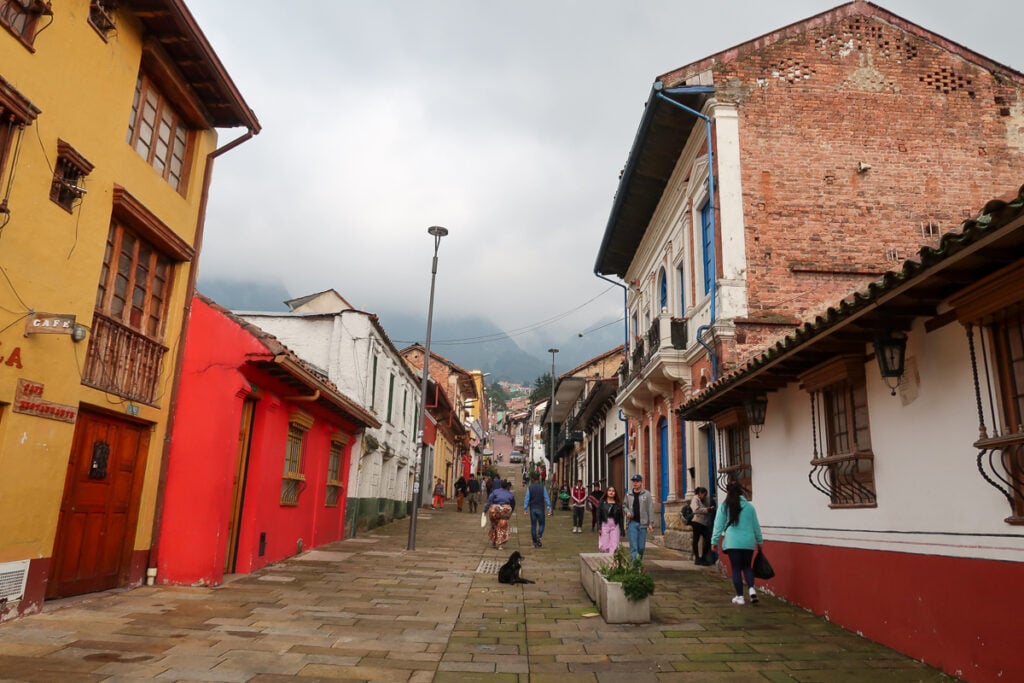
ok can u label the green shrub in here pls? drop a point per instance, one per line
(636, 583)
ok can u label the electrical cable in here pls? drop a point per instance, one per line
(500, 336)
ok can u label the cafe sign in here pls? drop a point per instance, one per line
(49, 323)
(28, 400)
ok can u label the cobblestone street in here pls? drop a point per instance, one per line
(368, 609)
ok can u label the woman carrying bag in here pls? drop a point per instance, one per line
(738, 532)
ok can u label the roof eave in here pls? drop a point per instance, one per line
(623, 232)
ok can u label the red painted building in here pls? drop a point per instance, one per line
(259, 455)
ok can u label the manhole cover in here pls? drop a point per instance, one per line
(489, 566)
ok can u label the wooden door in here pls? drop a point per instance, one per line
(100, 507)
(238, 483)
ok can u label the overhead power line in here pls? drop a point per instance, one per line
(499, 336)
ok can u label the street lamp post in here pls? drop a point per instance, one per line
(437, 232)
(551, 409)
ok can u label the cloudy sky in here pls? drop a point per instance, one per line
(506, 122)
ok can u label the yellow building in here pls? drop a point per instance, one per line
(108, 113)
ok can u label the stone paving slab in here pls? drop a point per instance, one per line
(367, 609)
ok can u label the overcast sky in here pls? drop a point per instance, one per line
(506, 122)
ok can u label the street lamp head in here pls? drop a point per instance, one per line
(552, 350)
(437, 231)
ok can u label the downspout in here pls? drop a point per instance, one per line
(660, 94)
(190, 290)
(625, 358)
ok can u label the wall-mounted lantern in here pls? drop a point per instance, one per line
(756, 407)
(891, 352)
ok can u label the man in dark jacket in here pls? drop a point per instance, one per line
(473, 492)
(535, 505)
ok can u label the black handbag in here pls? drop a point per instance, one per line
(762, 568)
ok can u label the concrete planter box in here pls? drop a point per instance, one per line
(616, 608)
(589, 564)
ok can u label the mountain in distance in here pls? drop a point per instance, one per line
(472, 342)
(245, 295)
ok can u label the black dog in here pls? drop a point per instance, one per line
(512, 571)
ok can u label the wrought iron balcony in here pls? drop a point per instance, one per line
(122, 361)
(665, 332)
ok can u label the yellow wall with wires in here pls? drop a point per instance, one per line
(51, 259)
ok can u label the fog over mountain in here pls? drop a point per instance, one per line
(470, 341)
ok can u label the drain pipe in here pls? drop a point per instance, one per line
(660, 94)
(625, 359)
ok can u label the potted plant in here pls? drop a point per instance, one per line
(625, 590)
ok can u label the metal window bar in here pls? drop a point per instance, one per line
(847, 478)
(1000, 457)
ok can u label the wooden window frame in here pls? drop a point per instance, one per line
(22, 21)
(843, 461)
(125, 357)
(995, 306)
(158, 75)
(734, 449)
(706, 237)
(292, 479)
(373, 385)
(102, 17)
(391, 396)
(335, 460)
(16, 112)
(69, 171)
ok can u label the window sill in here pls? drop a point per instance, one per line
(851, 506)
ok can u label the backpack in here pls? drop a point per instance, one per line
(687, 513)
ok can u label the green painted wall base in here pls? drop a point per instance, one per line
(363, 514)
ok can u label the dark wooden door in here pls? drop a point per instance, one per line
(100, 507)
(238, 483)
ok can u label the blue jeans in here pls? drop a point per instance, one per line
(536, 523)
(740, 560)
(637, 536)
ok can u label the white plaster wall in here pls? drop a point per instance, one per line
(309, 338)
(931, 498)
(343, 346)
(732, 238)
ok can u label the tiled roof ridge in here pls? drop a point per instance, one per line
(595, 359)
(274, 345)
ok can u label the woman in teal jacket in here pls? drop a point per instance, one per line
(738, 532)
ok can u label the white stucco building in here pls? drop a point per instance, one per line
(352, 348)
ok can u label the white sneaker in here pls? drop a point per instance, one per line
(738, 600)
(753, 596)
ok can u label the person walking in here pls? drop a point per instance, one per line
(500, 506)
(578, 500)
(639, 510)
(534, 505)
(609, 516)
(701, 526)
(594, 502)
(473, 492)
(738, 532)
(460, 492)
(438, 495)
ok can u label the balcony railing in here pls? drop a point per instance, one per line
(122, 361)
(1001, 464)
(667, 331)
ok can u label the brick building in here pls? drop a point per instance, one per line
(840, 144)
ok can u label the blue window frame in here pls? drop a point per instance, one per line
(663, 291)
(682, 292)
(707, 237)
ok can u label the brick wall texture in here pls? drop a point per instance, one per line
(941, 128)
